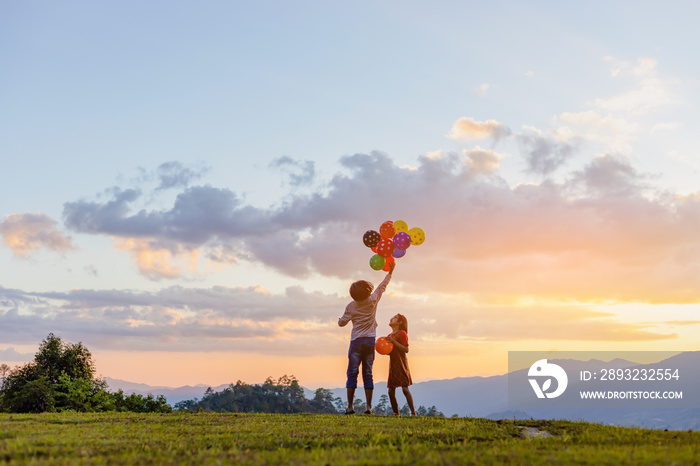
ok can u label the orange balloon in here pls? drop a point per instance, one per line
(383, 345)
(387, 229)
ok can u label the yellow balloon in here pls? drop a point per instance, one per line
(417, 235)
(400, 226)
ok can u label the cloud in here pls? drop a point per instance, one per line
(684, 159)
(93, 217)
(481, 161)
(615, 132)
(645, 65)
(175, 175)
(649, 91)
(534, 322)
(159, 262)
(199, 214)
(178, 319)
(468, 128)
(594, 120)
(481, 90)
(544, 154)
(293, 323)
(602, 233)
(28, 232)
(300, 173)
(666, 126)
(649, 94)
(617, 121)
(609, 175)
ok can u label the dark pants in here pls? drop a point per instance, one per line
(361, 351)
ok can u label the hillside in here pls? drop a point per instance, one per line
(328, 439)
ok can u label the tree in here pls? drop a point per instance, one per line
(21, 385)
(383, 408)
(4, 370)
(282, 396)
(340, 404)
(55, 358)
(359, 406)
(187, 405)
(62, 378)
(138, 403)
(323, 401)
(36, 396)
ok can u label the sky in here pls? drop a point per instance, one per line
(186, 184)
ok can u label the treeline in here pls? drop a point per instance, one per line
(62, 378)
(284, 396)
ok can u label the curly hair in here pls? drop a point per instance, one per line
(360, 290)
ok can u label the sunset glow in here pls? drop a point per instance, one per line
(189, 199)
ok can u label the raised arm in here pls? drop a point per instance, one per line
(379, 291)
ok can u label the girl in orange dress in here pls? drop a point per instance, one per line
(399, 374)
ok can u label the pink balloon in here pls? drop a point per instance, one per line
(402, 240)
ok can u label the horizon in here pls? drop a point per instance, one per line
(637, 358)
(190, 184)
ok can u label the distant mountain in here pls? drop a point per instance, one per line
(173, 395)
(464, 396)
(488, 397)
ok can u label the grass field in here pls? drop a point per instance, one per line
(208, 438)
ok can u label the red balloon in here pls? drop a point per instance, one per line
(387, 265)
(385, 247)
(387, 229)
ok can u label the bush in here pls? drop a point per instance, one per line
(139, 403)
(35, 396)
(83, 395)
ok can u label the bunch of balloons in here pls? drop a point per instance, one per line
(391, 242)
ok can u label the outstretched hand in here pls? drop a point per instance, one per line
(391, 268)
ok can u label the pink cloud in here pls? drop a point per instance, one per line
(28, 232)
(469, 128)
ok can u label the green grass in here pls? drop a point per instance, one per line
(254, 439)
